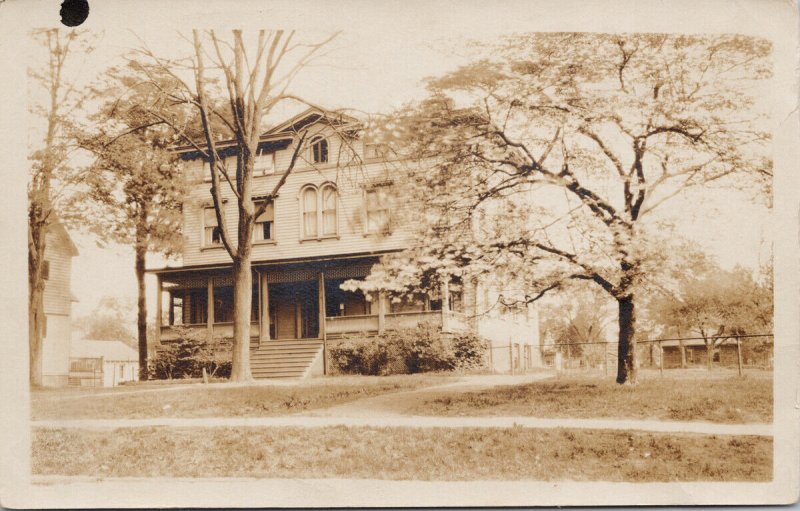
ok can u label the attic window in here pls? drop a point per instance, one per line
(319, 150)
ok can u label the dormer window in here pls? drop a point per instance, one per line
(319, 150)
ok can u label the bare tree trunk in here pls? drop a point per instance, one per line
(37, 231)
(141, 308)
(626, 354)
(710, 354)
(242, 302)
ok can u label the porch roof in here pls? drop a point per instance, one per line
(216, 268)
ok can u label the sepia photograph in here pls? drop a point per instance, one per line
(336, 254)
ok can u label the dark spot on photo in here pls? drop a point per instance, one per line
(74, 12)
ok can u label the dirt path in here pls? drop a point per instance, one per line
(392, 410)
(304, 421)
(397, 404)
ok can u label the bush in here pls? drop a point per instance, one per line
(186, 357)
(469, 351)
(407, 351)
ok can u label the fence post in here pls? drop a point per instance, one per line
(661, 358)
(739, 354)
(511, 357)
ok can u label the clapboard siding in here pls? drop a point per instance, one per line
(57, 295)
(349, 179)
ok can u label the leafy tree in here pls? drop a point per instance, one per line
(573, 325)
(109, 321)
(51, 173)
(717, 304)
(132, 191)
(255, 82)
(547, 160)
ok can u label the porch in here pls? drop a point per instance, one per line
(295, 302)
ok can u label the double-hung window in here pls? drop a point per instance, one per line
(309, 200)
(377, 210)
(265, 162)
(264, 229)
(211, 232)
(328, 197)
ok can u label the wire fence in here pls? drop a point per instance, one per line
(741, 353)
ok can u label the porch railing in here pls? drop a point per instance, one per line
(222, 329)
(337, 325)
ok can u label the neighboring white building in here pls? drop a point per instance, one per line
(102, 363)
(58, 298)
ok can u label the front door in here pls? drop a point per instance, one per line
(295, 309)
(286, 319)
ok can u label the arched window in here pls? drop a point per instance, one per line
(308, 201)
(329, 221)
(319, 210)
(319, 150)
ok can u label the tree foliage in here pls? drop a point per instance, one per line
(573, 326)
(111, 320)
(50, 172)
(545, 161)
(132, 191)
(717, 303)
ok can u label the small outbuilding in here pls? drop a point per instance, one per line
(97, 363)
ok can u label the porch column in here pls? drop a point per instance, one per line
(322, 332)
(210, 310)
(381, 312)
(171, 310)
(263, 332)
(298, 317)
(445, 292)
(159, 291)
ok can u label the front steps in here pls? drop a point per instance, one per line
(292, 358)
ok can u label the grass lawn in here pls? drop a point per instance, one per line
(219, 400)
(731, 400)
(402, 454)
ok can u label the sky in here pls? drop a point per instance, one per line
(375, 70)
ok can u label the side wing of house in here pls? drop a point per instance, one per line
(512, 330)
(58, 299)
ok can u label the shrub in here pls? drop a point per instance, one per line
(411, 350)
(469, 351)
(187, 356)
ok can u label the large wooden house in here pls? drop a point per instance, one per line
(331, 222)
(58, 298)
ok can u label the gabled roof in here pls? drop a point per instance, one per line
(280, 135)
(309, 116)
(58, 229)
